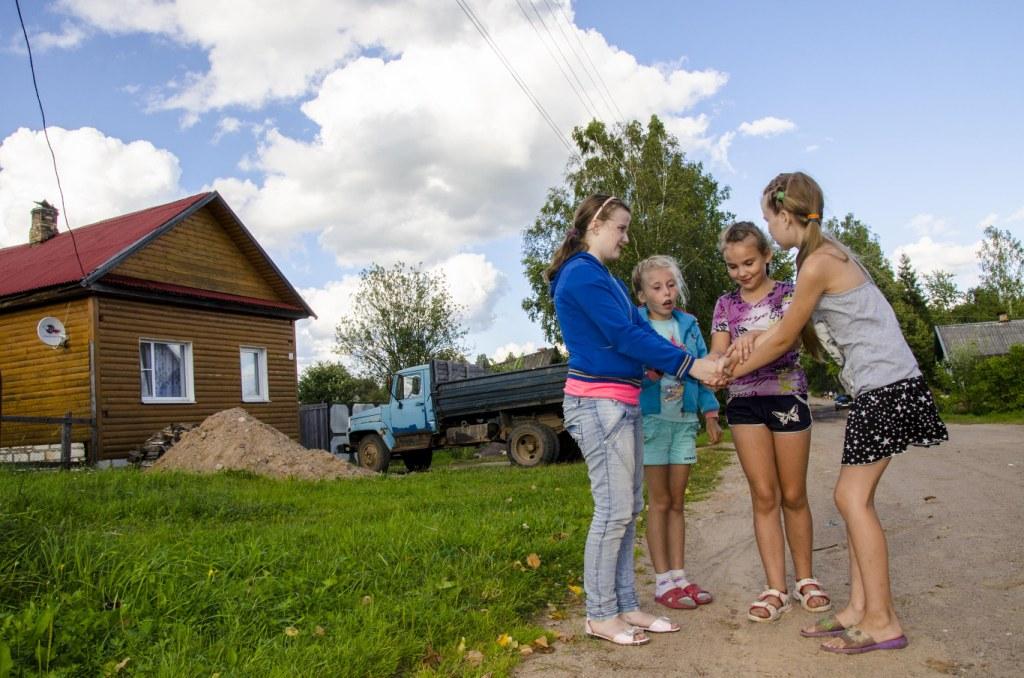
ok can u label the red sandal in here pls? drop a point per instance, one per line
(697, 594)
(677, 599)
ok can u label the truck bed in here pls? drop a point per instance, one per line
(501, 391)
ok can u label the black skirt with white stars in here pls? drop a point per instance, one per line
(886, 420)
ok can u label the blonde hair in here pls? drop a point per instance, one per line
(801, 196)
(597, 207)
(660, 261)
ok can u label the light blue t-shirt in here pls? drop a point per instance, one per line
(671, 388)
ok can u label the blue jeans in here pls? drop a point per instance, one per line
(610, 436)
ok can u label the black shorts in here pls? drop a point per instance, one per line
(781, 414)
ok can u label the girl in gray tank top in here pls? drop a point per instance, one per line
(892, 409)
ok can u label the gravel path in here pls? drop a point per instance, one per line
(954, 516)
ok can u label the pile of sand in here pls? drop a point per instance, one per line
(233, 439)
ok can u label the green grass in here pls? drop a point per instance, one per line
(172, 575)
(991, 418)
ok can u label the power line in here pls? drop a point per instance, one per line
(580, 91)
(468, 11)
(53, 156)
(609, 100)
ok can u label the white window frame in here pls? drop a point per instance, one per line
(261, 357)
(186, 378)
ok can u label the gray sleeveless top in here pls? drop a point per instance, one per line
(859, 329)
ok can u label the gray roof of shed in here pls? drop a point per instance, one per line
(989, 338)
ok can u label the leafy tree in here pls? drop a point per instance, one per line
(676, 210)
(403, 316)
(1002, 267)
(325, 382)
(943, 295)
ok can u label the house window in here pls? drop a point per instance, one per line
(166, 370)
(254, 374)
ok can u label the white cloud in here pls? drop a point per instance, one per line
(70, 36)
(475, 284)
(720, 150)
(516, 349)
(225, 126)
(314, 337)
(927, 255)
(432, 149)
(812, 148)
(929, 225)
(766, 127)
(102, 177)
(1016, 217)
(990, 219)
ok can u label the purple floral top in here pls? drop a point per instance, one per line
(737, 317)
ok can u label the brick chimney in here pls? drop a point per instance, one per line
(44, 223)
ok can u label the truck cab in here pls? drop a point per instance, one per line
(405, 424)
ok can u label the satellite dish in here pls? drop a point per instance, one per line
(51, 332)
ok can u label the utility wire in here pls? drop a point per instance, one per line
(576, 87)
(609, 100)
(468, 11)
(53, 156)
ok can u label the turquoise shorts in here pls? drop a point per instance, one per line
(669, 442)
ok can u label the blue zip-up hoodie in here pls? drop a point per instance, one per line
(607, 339)
(696, 396)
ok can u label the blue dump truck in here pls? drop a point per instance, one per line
(452, 404)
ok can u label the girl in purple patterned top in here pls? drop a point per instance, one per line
(771, 423)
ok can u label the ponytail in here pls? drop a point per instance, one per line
(801, 196)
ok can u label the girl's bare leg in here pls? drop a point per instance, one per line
(855, 498)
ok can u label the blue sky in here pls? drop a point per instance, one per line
(354, 131)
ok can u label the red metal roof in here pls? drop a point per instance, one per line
(30, 267)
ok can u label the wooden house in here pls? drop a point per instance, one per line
(170, 314)
(985, 338)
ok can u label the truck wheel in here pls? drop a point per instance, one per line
(532, 444)
(419, 460)
(374, 453)
(568, 449)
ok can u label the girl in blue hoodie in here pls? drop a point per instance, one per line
(670, 425)
(609, 344)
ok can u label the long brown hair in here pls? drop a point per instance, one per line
(801, 196)
(597, 207)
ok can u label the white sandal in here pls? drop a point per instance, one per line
(627, 637)
(659, 625)
(814, 592)
(773, 612)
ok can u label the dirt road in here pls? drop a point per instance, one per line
(954, 516)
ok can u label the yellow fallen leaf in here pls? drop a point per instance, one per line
(576, 590)
(533, 560)
(121, 664)
(319, 631)
(542, 641)
(462, 645)
(504, 639)
(475, 657)
(367, 600)
(526, 650)
(291, 631)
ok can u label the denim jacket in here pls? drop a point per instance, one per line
(696, 396)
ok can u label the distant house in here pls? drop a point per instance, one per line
(987, 338)
(171, 314)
